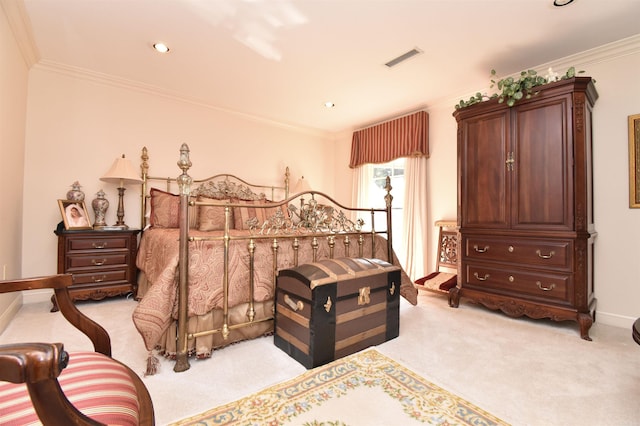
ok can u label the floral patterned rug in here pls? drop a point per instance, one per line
(366, 388)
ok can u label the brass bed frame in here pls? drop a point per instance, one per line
(310, 222)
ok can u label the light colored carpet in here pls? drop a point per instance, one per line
(366, 388)
(522, 371)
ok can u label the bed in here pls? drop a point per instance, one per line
(211, 249)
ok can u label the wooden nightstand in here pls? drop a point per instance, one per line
(103, 263)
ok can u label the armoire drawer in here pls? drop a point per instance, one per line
(555, 254)
(513, 281)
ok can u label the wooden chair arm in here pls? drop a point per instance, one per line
(59, 283)
(38, 366)
(31, 362)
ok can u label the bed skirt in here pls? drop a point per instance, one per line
(202, 347)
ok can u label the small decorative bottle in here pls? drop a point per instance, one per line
(75, 193)
(100, 206)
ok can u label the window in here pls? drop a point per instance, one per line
(376, 193)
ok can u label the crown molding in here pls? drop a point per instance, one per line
(606, 52)
(137, 86)
(20, 25)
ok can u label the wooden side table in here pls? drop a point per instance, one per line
(103, 263)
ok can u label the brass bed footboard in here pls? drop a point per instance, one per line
(308, 225)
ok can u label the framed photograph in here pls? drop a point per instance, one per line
(74, 214)
(634, 161)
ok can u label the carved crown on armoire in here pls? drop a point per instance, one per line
(525, 204)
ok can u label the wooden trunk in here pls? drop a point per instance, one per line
(333, 308)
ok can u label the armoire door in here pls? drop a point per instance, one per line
(485, 164)
(543, 168)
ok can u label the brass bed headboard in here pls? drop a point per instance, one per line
(171, 185)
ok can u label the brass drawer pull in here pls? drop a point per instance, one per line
(99, 245)
(480, 250)
(545, 288)
(98, 262)
(99, 280)
(486, 276)
(295, 305)
(545, 256)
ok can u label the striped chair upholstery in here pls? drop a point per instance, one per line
(42, 383)
(98, 386)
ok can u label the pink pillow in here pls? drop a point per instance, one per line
(242, 214)
(165, 210)
(211, 218)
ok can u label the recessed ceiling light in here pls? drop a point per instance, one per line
(560, 3)
(161, 47)
(329, 104)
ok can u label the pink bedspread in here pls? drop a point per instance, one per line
(158, 259)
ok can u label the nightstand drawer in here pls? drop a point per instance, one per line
(96, 260)
(516, 282)
(100, 277)
(97, 243)
(544, 253)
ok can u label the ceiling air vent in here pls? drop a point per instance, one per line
(413, 52)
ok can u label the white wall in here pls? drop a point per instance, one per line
(77, 127)
(617, 269)
(13, 95)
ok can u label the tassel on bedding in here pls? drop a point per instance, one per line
(153, 365)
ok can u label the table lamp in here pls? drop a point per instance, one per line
(302, 185)
(121, 172)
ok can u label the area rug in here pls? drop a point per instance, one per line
(366, 388)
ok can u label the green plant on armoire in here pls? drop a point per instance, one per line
(511, 90)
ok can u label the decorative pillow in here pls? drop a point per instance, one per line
(211, 218)
(242, 214)
(165, 210)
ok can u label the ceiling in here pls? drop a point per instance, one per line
(281, 60)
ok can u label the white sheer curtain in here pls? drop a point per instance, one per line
(412, 249)
(361, 181)
(414, 212)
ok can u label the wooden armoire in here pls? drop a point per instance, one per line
(525, 204)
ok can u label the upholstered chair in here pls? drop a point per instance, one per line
(43, 381)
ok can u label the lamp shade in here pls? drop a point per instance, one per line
(301, 186)
(122, 171)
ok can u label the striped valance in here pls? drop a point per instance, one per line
(406, 136)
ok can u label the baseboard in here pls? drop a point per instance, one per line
(37, 296)
(7, 315)
(614, 320)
